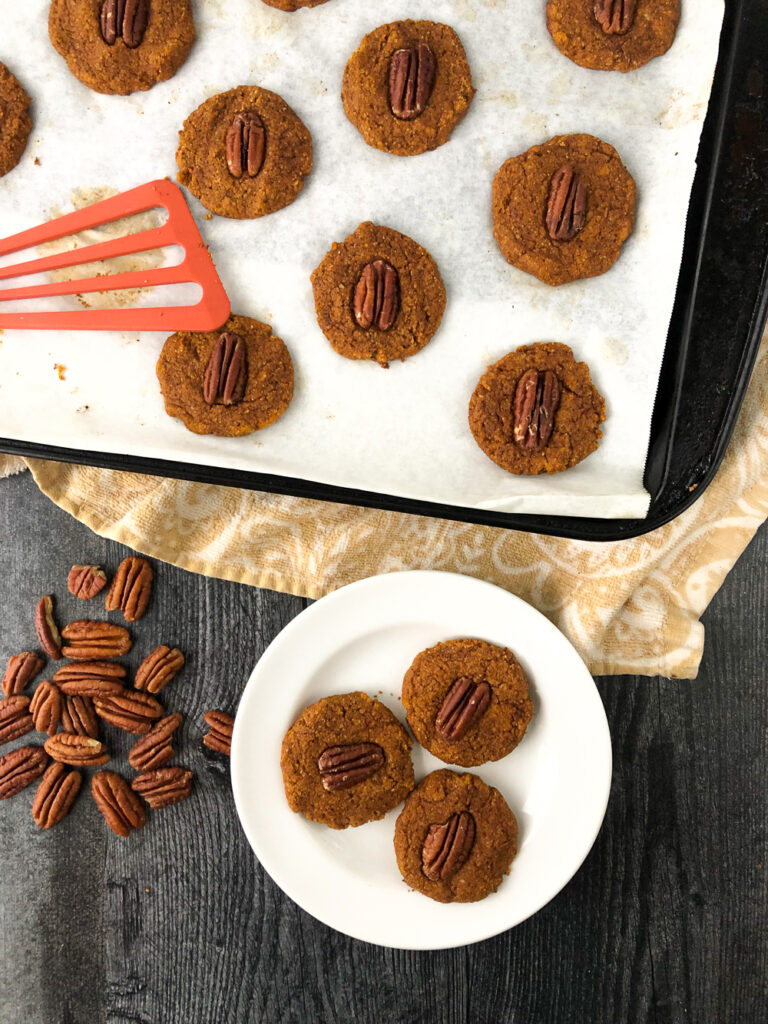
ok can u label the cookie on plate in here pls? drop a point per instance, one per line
(346, 760)
(613, 35)
(244, 153)
(227, 382)
(117, 47)
(467, 701)
(15, 122)
(407, 86)
(456, 838)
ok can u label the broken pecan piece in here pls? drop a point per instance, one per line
(19, 768)
(163, 786)
(537, 397)
(566, 205)
(46, 707)
(156, 748)
(130, 710)
(615, 17)
(88, 640)
(346, 765)
(131, 588)
(447, 846)
(78, 716)
(411, 77)
(46, 628)
(220, 736)
(120, 806)
(465, 704)
(79, 751)
(22, 669)
(158, 669)
(86, 581)
(55, 794)
(377, 296)
(15, 717)
(91, 679)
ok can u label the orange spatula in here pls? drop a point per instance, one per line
(179, 229)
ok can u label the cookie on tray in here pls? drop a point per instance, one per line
(346, 760)
(467, 701)
(407, 86)
(227, 382)
(613, 35)
(244, 153)
(456, 838)
(15, 122)
(116, 47)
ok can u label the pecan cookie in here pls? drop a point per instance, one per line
(228, 382)
(378, 295)
(15, 122)
(122, 46)
(407, 86)
(563, 210)
(613, 35)
(467, 701)
(456, 838)
(244, 153)
(536, 410)
(293, 5)
(346, 760)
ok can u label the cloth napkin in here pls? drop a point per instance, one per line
(629, 607)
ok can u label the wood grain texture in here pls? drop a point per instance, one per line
(665, 922)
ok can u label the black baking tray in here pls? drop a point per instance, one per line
(714, 333)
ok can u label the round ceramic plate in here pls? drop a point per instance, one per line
(364, 637)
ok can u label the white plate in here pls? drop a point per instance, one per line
(364, 637)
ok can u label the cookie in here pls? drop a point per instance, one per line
(109, 54)
(467, 701)
(228, 382)
(293, 5)
(537, 410)
(456, 838)
(346, 760)
(407, 86)
(563, 210)
(378, 295)
(244, 153)
(613, 35)
(15, 122)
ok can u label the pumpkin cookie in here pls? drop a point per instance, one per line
(228, 382)
(407, 86)
(293, 5)
(378, 295)
(612, 35)
(121, 48)
(15, 122)
(456, 838)
(537, 410)
(563, 210)
(346, 760)
(467, 701)
(244, 153)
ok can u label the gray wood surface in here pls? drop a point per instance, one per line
(665, 921)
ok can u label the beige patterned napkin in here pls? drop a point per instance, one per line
(631, 606)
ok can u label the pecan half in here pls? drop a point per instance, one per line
(131, 711)
(246, 145)
(226, 374)
(537, 397)
(465, 704)
(156, 748)
(120, 806)
(377, 296)
(615, 17)
(158, 669)
(131, 588)
(163, 786)
(566, 205)
(91, 679)
(78, 716)
(55, 795)
(80, 751)
(447, 846)
(46, 707)
(19, 768)
(22, 669)
(125, 18)
(411, 77)
(15, 717)
(220, 736)
(86, 581)
(88, 640)
(346, 765)
(46, 628)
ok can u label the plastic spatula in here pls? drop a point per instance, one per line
(179, 229)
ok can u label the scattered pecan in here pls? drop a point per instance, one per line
(78, 716)
(80, 751)
(22, 669)
(615, 17)
(131, 588)
(345, 766)
(19, 768)
(46, 707)
(246, 145)
(465, 704)
(15, 717)
(125, 18)
(121, 807)
(156, 748)
(220, 735)
(86, 581)
(131, 711)
(88, 640)
(226, 374)
(46, 628)
(447, 846)
(566, 205)
(536, 400)
(158, 669)
(411, 77)
(91, 679)
(55, 795)
(163, 786)
(376, 300)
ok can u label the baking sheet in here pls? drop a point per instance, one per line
(400, 431)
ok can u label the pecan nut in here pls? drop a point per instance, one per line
(88, 640)
(46, 628)
(86, 581)
(163, 786)
(246, 145)
(537, 397)
(566, 204)
(131, 588)
(377, 296)
(615, 17)
(120, 806)
(156, 748)
(19, 768)
(79, 751)
(15, 717)
(78, 716)
(411, 77)
(465, 704)
(22, 669)
(91, 679)
(130, 711)
(220, 735)
(349, 764)
(158, 669)
(226, 374)
(124, 18)
(447, 846)
(55, 794)
(46, 707)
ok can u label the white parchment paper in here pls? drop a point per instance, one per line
(404, 430)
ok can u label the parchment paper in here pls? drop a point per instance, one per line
(403, 430)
